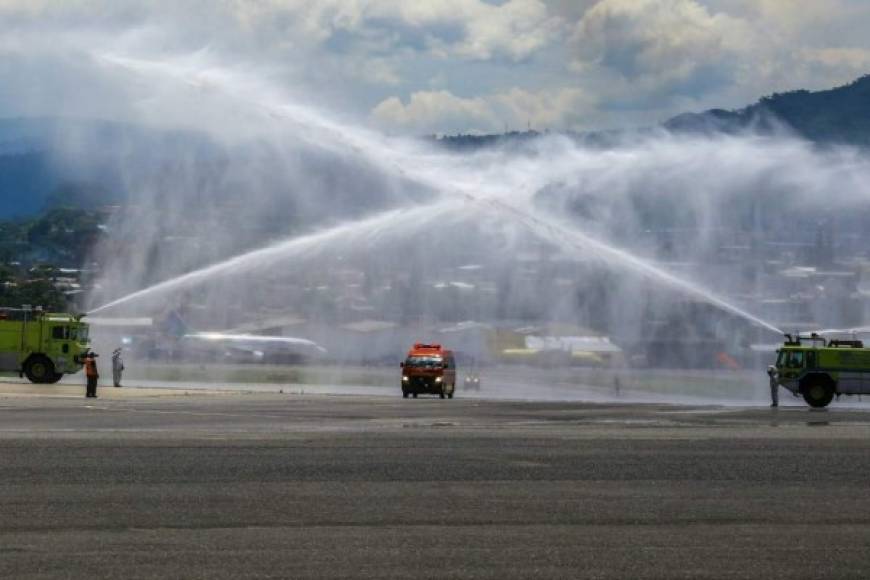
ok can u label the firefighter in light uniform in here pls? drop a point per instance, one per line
(92, 374)
(117, 367)
(774, 386)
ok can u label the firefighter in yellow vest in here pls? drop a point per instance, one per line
(91, 373)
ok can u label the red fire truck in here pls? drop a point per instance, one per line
(429, 368)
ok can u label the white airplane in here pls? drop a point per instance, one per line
(236, 345)
(171, 336)
(251, 346)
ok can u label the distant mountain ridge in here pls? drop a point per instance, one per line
(835, 116)
(47, 163)
(838, 116)
(36, 174)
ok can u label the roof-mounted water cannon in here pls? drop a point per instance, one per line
(814, 338)
(799, 339)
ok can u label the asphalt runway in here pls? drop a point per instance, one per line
(150, 482)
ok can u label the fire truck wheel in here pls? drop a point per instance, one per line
(39, 369)
(818, 394)
(415, 394)
(404, 393)
(441, 392)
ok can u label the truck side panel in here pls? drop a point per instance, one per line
(10, 345)
(8, 361)
(850, 367)
(850, 382)
(846, 359)
(33, 339)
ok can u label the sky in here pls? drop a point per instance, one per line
(446, 66)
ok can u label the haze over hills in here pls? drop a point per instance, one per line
(37, 172)
(58, 162)
(839, 116)
(835, 116)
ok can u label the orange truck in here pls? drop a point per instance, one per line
(429, 368)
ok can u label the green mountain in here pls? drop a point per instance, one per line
(836, 116)
(37, 174)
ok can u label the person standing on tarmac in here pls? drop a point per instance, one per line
(91, 373)
(117, 367)
(774, 387)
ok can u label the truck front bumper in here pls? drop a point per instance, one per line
(422, 385)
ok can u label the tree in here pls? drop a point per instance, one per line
(65, 234)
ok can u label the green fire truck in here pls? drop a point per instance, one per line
(42, 346)
(818, 369)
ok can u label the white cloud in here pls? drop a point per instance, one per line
(792, 15)
(664, 56)
(435, 111)
(563, 108)
(637, 61)
(856, 60)
(471, 29)
(516, 29)
(443, 112)
(657, 42)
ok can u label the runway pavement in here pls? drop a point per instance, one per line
(175, 483)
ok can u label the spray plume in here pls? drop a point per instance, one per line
(459, 190)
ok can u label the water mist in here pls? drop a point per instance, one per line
(281, 209)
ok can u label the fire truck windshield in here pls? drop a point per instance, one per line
(792, 359)
(424, 361)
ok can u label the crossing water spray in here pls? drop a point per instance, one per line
(445, 174)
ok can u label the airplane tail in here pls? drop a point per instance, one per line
(174, 325)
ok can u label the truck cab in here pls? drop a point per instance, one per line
(819, 369)
(429, 368)
(42, 346)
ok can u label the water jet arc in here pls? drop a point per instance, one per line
(383, 154)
